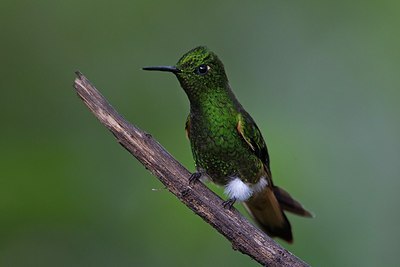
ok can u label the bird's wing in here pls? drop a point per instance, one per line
(248, 129)
(187, 126)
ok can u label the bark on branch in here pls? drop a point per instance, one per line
(236, 228)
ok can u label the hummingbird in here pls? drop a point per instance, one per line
(227, 146)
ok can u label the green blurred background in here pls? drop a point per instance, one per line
(321, 78)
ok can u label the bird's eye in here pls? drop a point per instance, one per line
(202, 69)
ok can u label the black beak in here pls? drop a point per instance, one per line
(172, 69)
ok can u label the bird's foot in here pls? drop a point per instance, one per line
(194, 177)
(229, 203)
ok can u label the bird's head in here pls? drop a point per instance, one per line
(199, 71)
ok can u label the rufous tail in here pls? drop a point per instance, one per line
(266, 207)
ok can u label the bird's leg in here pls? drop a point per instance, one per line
(229, 203)
(194, 177)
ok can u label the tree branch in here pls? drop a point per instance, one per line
(244, 236)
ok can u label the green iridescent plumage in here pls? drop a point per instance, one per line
(226, 143)
(216, 144)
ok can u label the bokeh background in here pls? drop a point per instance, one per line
(321, 78)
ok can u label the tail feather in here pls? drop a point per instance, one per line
(266, 207)
(266, 211)
(289, 204)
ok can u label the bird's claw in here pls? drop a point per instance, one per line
(229, 203)
(194, 177)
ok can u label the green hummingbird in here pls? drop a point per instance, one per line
(227, 145)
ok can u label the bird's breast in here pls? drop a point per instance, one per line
(219, 150)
